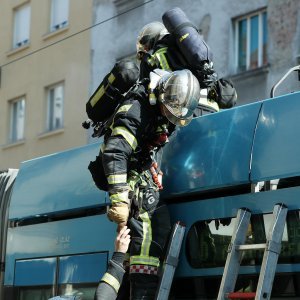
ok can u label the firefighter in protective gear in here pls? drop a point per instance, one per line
(149, 35)
(159, 50)
(138, 130)
(109, 284)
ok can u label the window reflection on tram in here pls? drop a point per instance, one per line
(207, 245)
(81, 291)
(208, 241)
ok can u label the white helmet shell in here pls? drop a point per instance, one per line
(179, 94)
(149, 35)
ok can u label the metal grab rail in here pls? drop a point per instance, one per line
(296, 68)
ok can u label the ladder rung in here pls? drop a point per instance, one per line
(240, 295)
(250, 247)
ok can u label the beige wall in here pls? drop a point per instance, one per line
(30, 70)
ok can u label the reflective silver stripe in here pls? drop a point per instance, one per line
(117, 178)
(144, 260)
(128, 136)
(119, 197)
(112, 281)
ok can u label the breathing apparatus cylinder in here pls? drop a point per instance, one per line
(187, 37)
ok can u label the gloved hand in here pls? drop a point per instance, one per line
(119, 212)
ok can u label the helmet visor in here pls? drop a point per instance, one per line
(175, 120)
(179, 94)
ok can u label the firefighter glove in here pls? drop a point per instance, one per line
(118, 213)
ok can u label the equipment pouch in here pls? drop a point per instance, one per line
(96, 169)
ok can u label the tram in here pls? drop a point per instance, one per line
(57, 240)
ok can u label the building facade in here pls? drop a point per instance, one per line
(253, 42)
(45, 74)
(54, 54)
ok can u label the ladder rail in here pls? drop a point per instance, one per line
(234, 257)
(269, 263)
(171, 261)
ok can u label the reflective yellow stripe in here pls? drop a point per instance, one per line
(128, 136)
(112, 281)
(124, 108)
(101, 91)
(151, 60)
(102, 147)
(111, 78)
(117, 178)
(160, 55)
(183, 37)
(147, 234)
(119, 197)
(144, 260)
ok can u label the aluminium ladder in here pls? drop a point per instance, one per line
(171, 261)
(236, 247)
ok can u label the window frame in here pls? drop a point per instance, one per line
(50, 122)
(17, 42)
(13, 124)
(54, 25)
(236, 21)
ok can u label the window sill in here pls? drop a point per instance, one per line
(51, 133)
(51, 34)
(17, 50)
(13, 144)
(250, 73)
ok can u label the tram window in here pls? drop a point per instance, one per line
(286, 286)
(207, 241)
(35, 293)
(85, 291)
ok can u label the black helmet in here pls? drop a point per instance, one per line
(148, 37)
(179, 93)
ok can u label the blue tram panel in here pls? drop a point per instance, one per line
(82, 268)
(66, 238)
(276, 149)
(55, 183)
(214, 151)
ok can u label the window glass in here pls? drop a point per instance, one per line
(286, 286)
(254, 42)
(265, 38)
(21, 26)
(207, 241)
(242, 44)
(59, 14)
(251, 40)
(83, 291)
(55, 107)
(17, 120)
(35, 293)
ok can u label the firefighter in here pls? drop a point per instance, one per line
(110, 283)
(156, 48)
(138, 130)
